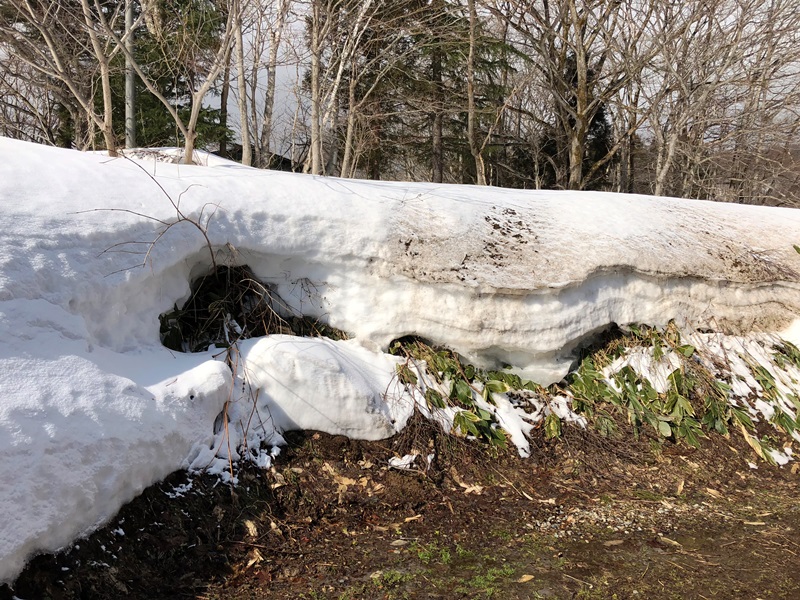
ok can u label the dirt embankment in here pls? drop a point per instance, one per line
(586, 517)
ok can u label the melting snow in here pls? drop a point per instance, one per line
(96, 409)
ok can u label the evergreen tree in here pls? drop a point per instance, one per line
(172, 58)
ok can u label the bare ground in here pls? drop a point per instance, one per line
(584, 517)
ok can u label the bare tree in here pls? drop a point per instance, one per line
(63, 41)
(207, 63)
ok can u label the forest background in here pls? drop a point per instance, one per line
(693, 99)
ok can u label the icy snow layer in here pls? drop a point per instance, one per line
(93, 408)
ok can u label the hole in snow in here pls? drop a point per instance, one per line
(593, 341)
(229, 304)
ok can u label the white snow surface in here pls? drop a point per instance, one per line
(93, 408)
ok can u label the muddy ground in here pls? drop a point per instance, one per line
(584, 517)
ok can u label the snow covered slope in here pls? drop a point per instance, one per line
(93, 408)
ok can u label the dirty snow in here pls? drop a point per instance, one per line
(93, 408)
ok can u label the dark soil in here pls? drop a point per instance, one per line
(584, 517)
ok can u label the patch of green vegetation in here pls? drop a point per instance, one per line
(392, 578)
(487, 583)
(694, 404)
(464, 385)
(432, 552)
(647, 495)
(462, 553)
(786, 353)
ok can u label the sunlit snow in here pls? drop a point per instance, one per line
(93, 408)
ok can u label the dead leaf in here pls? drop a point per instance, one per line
(756, 523)
(670, 542)
(252, 530)
(399, 543)
(280, 481)
(713, 493)
(341, 481)
(610, 543)
(548, 501)
(680, 487)
(525, 579)
(255, 558)
(414, 518)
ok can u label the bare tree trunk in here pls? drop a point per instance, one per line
(247, 153)
(474, 147)
(106, 124)
(276, 34)
(316, 92)
(437, 151)
(223, 107)
(350, 131)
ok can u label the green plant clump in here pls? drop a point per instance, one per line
(465, 382)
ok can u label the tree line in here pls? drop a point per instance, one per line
(692, 99)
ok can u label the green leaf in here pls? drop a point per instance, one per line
(469, 416)
(465, 421)
(664, 429)
(797, 248)
(461, 392)
(658, 352)
(406, 375)
(687, 350)
(434, 399)
(552, 426)
(497, 387)
(484, 415)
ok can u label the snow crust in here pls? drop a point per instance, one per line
(93, 408)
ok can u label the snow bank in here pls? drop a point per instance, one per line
(93, 408)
